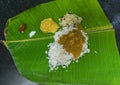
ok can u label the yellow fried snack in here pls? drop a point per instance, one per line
(48, 25)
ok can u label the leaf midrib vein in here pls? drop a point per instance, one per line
(51, 37)
(35, 39)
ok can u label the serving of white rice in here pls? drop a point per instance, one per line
(57, 55)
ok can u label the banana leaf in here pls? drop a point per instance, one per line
(99, 67)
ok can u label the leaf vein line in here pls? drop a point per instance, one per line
(27, 40)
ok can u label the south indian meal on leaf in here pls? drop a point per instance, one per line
(68, 42)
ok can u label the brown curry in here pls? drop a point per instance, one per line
(73, 42)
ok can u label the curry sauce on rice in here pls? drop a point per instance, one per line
(70, 43)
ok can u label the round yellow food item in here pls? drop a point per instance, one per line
(48, 25)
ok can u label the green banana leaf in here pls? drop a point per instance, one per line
(100, 67)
